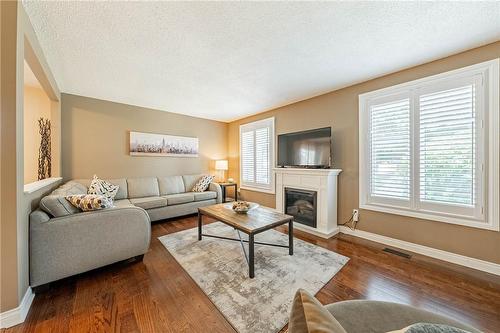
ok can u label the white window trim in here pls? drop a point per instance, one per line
(492, 176)
(265, 189)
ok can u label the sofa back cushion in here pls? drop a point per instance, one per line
(190, 181)
(122, 190)
(56, 204)
(171, 185)
(143, 187)
(121, 182)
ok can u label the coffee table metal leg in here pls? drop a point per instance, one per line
(290, 237)
(251, 256)
(199, 225)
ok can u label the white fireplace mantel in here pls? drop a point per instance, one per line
(324, 182)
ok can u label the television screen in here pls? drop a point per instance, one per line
(307, 149)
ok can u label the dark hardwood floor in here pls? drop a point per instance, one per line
(157, 295)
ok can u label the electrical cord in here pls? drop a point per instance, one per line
(353, 224)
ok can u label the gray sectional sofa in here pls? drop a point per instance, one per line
(65, 241)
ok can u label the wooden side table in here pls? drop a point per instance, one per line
(224, 186)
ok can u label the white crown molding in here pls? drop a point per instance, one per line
(17, 315)
(454, 258)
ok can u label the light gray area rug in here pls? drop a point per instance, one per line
(261, 304)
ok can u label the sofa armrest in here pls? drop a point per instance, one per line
(38, 216)
(216, 188)
(73, 244)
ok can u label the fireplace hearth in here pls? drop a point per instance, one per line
(302, 205)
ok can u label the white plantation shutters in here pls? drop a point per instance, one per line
(256, 154)
(447, 149)
(441, 174)
(429, 148)
(248, 157)
(451, 156)
(390, 151)
(262, 155)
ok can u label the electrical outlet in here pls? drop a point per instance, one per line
(355, 215)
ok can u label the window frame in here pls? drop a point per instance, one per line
(252, 126)
(489, 153)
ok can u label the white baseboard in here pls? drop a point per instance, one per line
(17, 315)
(315, 231)
(454, 258)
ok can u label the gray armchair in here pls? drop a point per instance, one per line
(361, 316)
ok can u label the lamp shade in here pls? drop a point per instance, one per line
(221, 165)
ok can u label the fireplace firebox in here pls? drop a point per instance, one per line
(301, 204)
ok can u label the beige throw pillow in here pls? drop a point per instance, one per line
(308, 315)
(88, 202)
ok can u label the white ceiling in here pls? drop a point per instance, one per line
(226, 60)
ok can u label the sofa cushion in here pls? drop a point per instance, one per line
(121, 182)
(200, 196)
(122, 189)
(56, 204)
(171, 185)
(122, 203)
(180, 198)
(190, 181)
(143, 187)
(69, 188)
(309, 315)
(149, 202)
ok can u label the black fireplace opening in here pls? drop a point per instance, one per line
(301, 204)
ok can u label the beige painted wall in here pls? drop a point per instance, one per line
(8, 186)
(95, 136)
(36, 105)
(339, 109)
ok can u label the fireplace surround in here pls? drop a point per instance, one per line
(321, 181)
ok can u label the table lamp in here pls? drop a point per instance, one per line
(221, 165)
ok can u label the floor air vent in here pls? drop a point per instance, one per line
(396, 252)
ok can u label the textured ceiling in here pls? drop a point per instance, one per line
(226, 60)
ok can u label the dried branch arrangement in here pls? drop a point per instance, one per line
(44, 153)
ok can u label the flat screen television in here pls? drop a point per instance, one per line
(306, 149)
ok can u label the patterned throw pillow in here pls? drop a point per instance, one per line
(202, 183)
(88, 202)
(104, 188)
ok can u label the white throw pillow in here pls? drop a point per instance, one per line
(202, 184)
(104, 188)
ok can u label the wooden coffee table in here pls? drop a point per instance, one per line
(257, 220)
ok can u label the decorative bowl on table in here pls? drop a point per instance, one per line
(242, 207)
